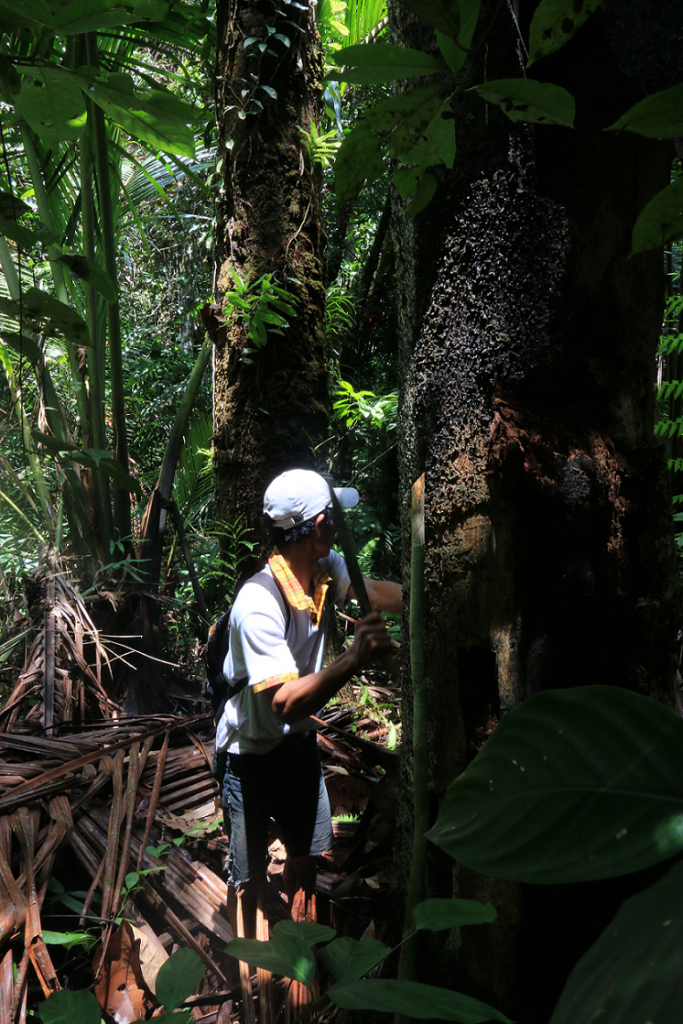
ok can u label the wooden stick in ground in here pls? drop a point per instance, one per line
(264, 979)
(154, 799)
(418, 867)
(112, 845)
(131, 790)
(248, 1013)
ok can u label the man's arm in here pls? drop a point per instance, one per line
(384, 595)
(302, 697)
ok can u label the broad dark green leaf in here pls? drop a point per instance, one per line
(90, 272)
(53, 444)
(402, 120)
(661, 221)
(309, 932)
(348, 959)
(10, 83)
(424, 193)
(70, 1007)
(412, 998)
(149, 115)
(283, 954)
(381, 62)
(633, 972)
(573, 785)
(26, 238)
(659, 116)
(11, 207)
(554, 23)
(178, 977)
(26, 12)
(437, 915)
(442, 14)
(102, 461)
(455, 51)
(24, 346)
(39, 308)
(359, 161)
(52, 104)
(524, 99)
(93, 15)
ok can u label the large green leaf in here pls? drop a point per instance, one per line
(359, 161)
(633, 972)
(102, 461)
(348, 959)
(524, 99)
(52, 104)
(26, 238)
(442, 14)
(26, 12)
(24, 346)
(412, 998)
(93, 15)
(381, 62)
(572, 785)
(80, 1007)
(401, 120)
(178, 977)
(436, 915)
(153, 116)
(659, 116)
(11, 207)
(283, 954)
(436, 145)
(309, 932)
(661, 221)
(90, 272)
(44, 311)
(455, 50)
(554, 23)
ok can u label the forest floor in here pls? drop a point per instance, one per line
(113, 854)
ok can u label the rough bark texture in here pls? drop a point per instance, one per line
(528, 354)
(269, 413)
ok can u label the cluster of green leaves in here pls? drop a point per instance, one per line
(578, 785)
(177, 979)
(264, 305)
(290, 952)
(415, 128)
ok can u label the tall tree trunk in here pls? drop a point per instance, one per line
(271, 403)
(528, 354)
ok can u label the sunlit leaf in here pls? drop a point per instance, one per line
(413, 999)
(524, 99)
(633, 972)
(573, 785)
(308, 931)
(554, 23)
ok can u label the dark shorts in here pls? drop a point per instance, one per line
(285, 784)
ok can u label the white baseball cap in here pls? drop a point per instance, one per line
(300, 494)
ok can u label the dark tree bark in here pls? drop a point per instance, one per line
(269, 413)
(528, 355)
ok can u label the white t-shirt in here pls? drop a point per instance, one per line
(266, 642)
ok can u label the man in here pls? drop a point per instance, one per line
(277, 642)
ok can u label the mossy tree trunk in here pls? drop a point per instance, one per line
(270, 405)
(528, 358)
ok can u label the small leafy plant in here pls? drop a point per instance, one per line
(290, 953)
(264, 305)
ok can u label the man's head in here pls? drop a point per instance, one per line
(294, 501)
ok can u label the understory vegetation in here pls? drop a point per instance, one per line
(109, 539)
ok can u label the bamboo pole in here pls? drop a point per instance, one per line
(416, 883)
